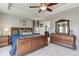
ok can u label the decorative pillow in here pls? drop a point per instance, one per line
(27, 33)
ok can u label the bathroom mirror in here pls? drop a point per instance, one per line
(62, 26)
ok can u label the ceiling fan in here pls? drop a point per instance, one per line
(44, 6)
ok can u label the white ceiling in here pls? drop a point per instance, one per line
(23, 10)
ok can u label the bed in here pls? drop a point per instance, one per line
(23, 44)
(27, 42)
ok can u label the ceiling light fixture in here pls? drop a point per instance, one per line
(43, 7)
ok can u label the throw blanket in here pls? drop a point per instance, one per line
(13, 39)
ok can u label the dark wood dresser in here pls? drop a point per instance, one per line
(64, 40)
(4, 40)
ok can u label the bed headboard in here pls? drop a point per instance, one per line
(18, 30)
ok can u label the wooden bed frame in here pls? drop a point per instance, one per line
(27, 45)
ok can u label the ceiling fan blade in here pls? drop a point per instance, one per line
(39, 11)
(50, 4)
(9, 5)
(34, 6)
(49, 9)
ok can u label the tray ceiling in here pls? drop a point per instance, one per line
(23, 10)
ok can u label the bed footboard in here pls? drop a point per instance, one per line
(27, 45)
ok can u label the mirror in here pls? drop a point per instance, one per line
(62, 26)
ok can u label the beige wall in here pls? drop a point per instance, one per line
(7, 21)
(42, 29)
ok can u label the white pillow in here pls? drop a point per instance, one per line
(27, 33)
